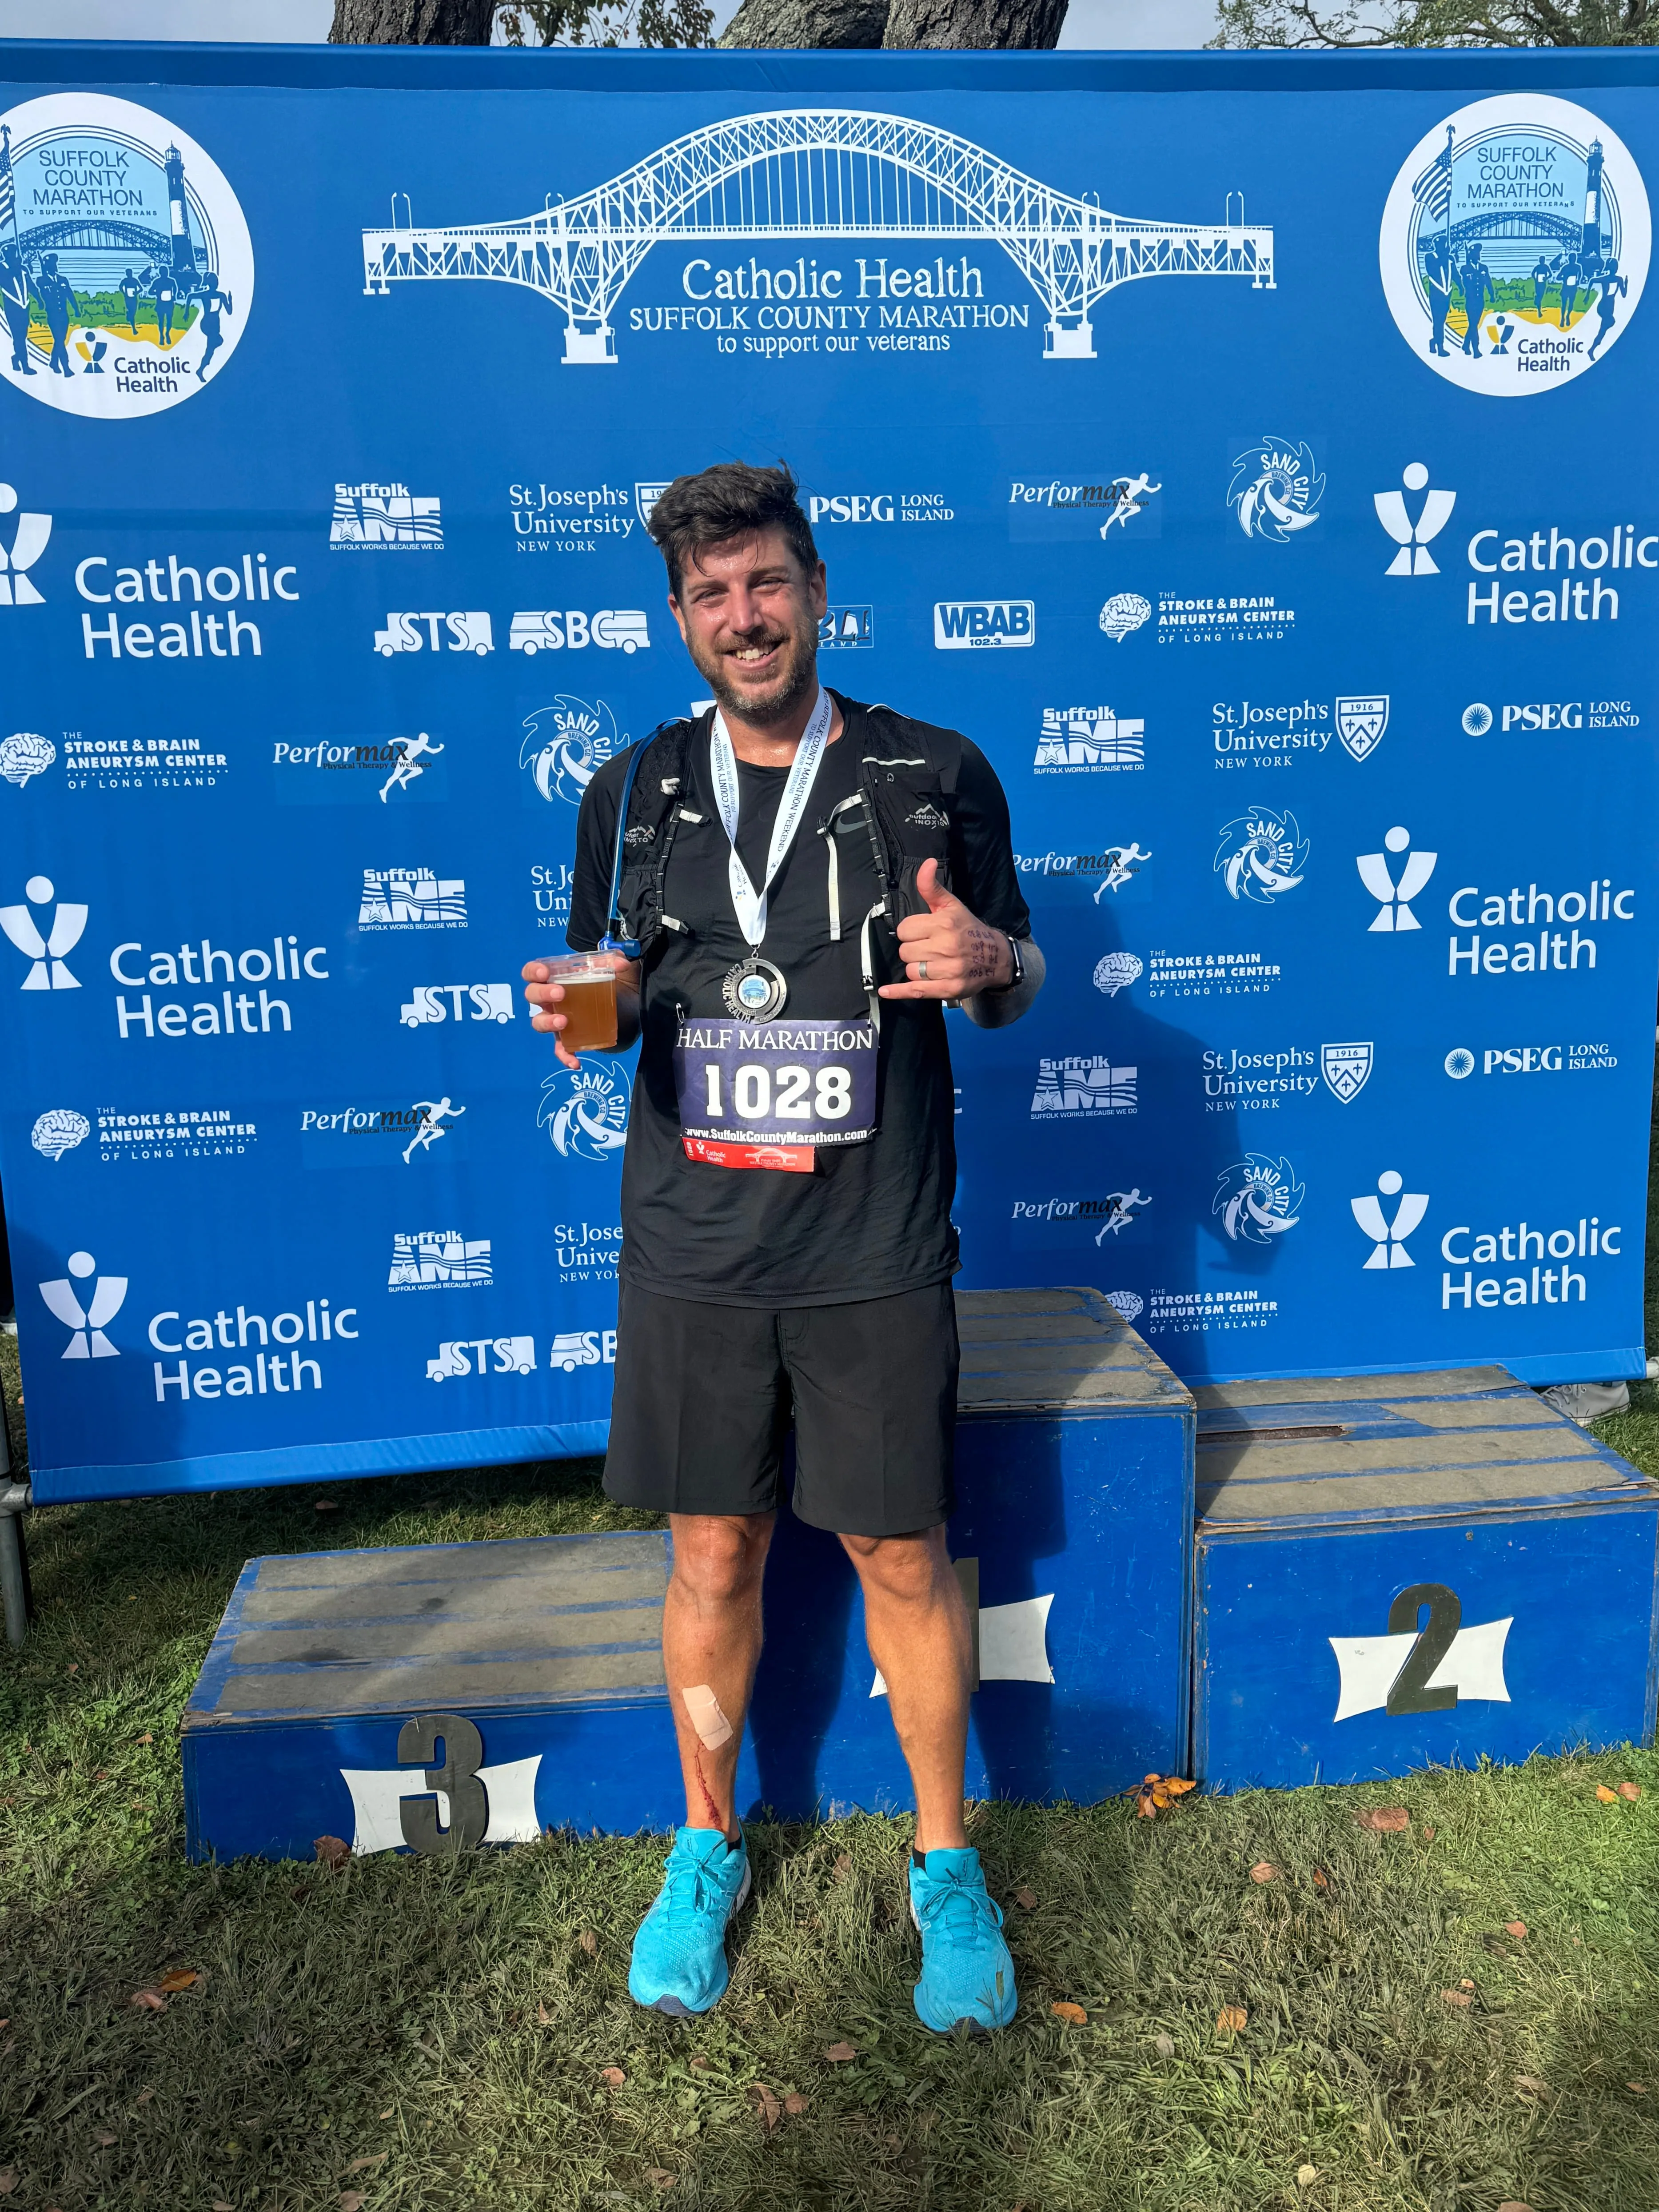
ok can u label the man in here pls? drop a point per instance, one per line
(129, 289)
(1437, 271)
(1478, 287)
(57, 297)
(831, 875)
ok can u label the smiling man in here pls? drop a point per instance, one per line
(792, 888)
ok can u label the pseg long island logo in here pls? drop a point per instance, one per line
(1514, 245)
(126, 270)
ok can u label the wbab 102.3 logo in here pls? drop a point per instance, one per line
(1514, 245)
(126, 271)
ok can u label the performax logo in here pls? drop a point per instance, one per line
(229, 1012)
(267, 1369)
(201, 634)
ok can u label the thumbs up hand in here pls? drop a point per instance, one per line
(948, 952)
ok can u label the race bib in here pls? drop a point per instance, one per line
(768, 1094)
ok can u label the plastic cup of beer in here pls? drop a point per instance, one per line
(589, 982)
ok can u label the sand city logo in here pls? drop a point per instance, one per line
(565, 743)
(1083, 740)
(1388, 1235)
(29, 534)
(1258, 1199)
(126, 270)
(385, 518)
(57, 1131)
(85, 1318)
(1084, 1087)
(1413, 534)
(1260, 856)
(1276, 490)
(23, 754)
(1393, 898)
(791, 175)
(45, 949)
(411, 898)
(439, 1260)
(1510, 221)
(585, 1113)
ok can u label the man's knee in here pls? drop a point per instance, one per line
(912, 1568)
(720, 1558)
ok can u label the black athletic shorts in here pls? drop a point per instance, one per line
(706, 1396)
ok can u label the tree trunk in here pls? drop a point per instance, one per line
(1002, 23)
(412, 22)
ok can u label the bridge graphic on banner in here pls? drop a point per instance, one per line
(819, 173)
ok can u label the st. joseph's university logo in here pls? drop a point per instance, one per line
(126, 271)
(1514, 245)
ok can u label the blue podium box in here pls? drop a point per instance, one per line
(391, 1697)
(1405, 1570)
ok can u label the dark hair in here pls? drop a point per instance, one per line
(730, 501)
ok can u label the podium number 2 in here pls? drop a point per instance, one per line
(1411, 1692)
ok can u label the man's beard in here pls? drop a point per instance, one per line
(799, 681)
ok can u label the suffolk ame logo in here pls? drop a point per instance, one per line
(1514, 245)
(126, 271)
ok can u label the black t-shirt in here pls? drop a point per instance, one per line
(872, 1219)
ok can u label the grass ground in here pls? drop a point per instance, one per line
(409, 2034)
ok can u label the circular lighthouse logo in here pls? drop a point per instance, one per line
(126, 270)
(1514, 245)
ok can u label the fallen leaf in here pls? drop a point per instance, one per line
(149, 2001)
(843, 1865)
(369, 2158)
(1640, 2088)
(1306, 2176)
(698, 2064)
(543, 2018)
(767, 2103)
(1457, 1997)
(325, 1505)
(1607, 1796)
(350, 2200)
(1322, 1880)
(659, 2177)
(1073, 2012)
(1157, 1793)
(1532, 2084)
(1428, 1833)
(8, 2179)
(146, 1738)
(590, 1943)
(1026, 1899)
(222, 2204)
(333, 1852)
(1465, 1983)
(612, 2076)
(1517, 1928)
(1233, 2018)
(794, 2104)
(144, 2096)
(1630, 1791)
(1263, 1870)
(386, 2115)
(1164, 2045)
(839, 2053)
(104, 2141)
(74, 1666)
(1513, 2204)
(180, 1978)
(1386, 1819)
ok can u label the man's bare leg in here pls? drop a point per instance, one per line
(920, 1638)
(711, 1640)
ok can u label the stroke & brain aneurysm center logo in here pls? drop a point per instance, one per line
(1514, 245)
(126, 270)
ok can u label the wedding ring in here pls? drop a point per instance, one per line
(924, 972)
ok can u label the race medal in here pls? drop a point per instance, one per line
(754, 990)
(769, 1093)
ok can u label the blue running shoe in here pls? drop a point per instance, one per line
(967, 1975)
(679, 1953)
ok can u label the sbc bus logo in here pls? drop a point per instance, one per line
(967, 625)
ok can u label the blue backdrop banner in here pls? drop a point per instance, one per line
(1257, 460)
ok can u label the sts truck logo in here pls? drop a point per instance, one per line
(967, 625)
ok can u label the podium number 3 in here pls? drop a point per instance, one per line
(458, 1778)
(1411, 1692)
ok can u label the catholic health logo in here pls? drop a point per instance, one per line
(126, 270)
(1514, 245)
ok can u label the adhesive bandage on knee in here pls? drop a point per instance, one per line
(703, 1710)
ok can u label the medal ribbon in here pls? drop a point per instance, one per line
(750, 904)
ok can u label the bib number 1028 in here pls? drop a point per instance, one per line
(760, 1093)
